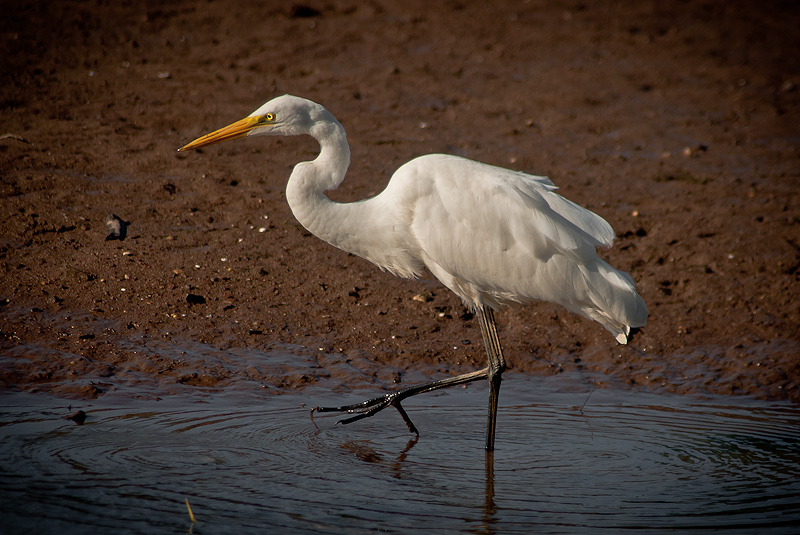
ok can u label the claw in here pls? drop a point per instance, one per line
(370, 407)
(406, 419)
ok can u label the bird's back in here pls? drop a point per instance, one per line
(496, 236)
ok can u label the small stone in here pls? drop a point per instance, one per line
(117, 228)
(77, 417)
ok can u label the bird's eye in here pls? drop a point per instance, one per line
(269, 117)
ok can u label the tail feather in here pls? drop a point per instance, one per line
(614, 302)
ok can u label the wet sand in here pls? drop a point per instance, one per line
(678, 124)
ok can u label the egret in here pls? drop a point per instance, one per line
(491, 235)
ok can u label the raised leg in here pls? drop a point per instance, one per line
(493, 372)
(372, 406)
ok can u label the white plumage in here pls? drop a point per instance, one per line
(492, 235)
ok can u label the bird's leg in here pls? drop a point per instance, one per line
(393, 399)
(494, 372)
(497, 365)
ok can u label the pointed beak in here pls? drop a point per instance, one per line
(232, 131)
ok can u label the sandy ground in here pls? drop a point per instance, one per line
(677, 122)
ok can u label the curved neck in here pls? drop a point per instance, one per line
(305, 191)
(334, 156)
(370, 228)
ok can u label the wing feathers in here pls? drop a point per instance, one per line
(496, 236)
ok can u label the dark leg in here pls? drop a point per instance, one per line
(493, 372)
(375, 405)
(497, 365)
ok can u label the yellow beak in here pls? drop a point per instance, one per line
(232, 131)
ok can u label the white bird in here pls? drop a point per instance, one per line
(491, 235)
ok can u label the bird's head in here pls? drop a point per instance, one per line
(286, 115)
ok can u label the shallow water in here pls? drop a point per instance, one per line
(568, 460)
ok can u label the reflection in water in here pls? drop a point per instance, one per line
(489, 508)
(625, 461)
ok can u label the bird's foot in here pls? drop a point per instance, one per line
(371, 407)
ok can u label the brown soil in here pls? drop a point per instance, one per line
(677, 122)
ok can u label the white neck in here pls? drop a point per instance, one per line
(353, 227)
(309, 181)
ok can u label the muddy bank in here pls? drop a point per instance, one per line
(676, 124)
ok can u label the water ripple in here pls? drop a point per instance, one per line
(565, 463)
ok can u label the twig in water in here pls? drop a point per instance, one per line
(191, 514)
(587, 399)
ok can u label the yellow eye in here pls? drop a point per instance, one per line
(269, 117)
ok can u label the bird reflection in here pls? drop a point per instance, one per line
(364, 451)
(489, 507)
